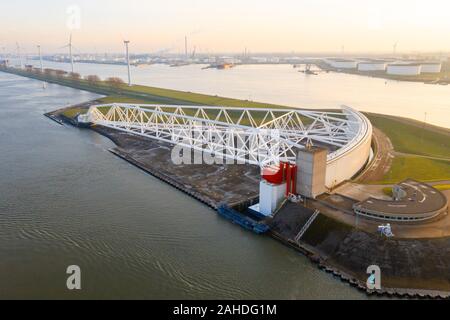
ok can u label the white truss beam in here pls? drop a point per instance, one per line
(254, 135)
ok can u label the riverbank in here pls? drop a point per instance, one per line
(414, 268)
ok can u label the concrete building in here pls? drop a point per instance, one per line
(372, 65)
(431, 67)
(404, 69)
(270, 197)
(311, 172)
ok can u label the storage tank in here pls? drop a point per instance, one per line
(342, 63)
(404, 69)
(431, 67)
(372, 66)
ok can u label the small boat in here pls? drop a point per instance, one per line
(180, 64)
(220, 66)
(224, 66)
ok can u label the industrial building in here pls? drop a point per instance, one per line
(412, 201)
(404, 69)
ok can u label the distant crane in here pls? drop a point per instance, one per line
(127, 54)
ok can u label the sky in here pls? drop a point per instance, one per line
(303, 26)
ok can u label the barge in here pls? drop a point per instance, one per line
(242, 220)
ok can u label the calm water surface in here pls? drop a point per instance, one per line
(64, 199)
(282, 84)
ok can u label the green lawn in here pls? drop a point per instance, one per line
(413, 138)
(418, 168)
(124, 99)
(73, 112)
(197, 98)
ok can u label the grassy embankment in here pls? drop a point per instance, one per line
(423, 152)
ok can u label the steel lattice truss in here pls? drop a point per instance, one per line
(252, 135)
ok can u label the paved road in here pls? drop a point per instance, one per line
(383, 159)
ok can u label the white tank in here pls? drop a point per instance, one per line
(404, 69)
(431, 67)
(342, 63)
(372, 66)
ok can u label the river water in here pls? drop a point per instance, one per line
(282, 84)
(65, 200)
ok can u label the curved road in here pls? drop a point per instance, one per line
(380, 165)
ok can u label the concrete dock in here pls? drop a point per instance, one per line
(211, 184)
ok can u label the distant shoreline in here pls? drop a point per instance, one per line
(442, 78)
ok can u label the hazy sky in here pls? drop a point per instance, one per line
(226, 26)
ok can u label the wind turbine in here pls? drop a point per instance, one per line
(20, 56)
(70, 46)
(40, 57)
(127, 42)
